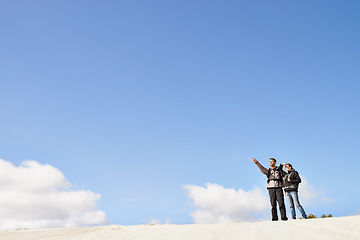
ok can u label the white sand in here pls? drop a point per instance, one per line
(328, 228)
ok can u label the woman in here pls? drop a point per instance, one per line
(291, 185)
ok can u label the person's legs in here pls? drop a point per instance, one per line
(280, 200)
(291, 203)
(272, 195)
(295, 196)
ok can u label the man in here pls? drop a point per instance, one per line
(291, 184)
(274, 186)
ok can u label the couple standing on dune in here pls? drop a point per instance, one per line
(278, 179)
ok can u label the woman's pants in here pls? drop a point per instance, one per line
(292, 198)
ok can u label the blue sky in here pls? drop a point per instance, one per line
(135, 99)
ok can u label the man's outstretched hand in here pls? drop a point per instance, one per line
(255, 161)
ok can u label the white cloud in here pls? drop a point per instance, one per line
(306, 192)
(216, 204)
(309, 195)
(34, 195)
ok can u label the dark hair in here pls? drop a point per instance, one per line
(273, 159)
(288, 164)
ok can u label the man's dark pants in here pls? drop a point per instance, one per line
(277, 195)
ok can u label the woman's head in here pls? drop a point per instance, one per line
(288, 167)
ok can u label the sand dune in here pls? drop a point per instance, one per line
(328, 228)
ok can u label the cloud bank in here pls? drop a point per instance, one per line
(34, 195)
(216, 204)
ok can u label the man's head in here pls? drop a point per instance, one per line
(272, 162)
(288, 167)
